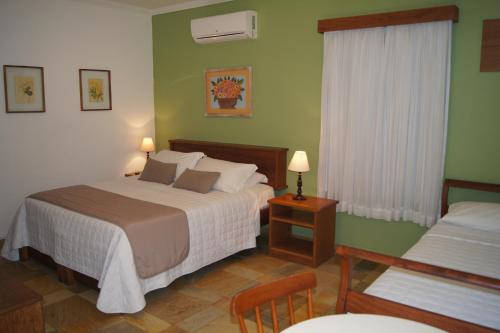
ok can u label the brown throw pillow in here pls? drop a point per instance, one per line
(197, 181)
(158, 172)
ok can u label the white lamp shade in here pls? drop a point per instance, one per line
(299, 162)
(147, 144)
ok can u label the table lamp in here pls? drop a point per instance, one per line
(147, 145)
(299, 164)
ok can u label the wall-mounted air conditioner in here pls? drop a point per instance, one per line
(221, 28)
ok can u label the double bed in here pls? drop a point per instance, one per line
(449, 279)
(220, 224)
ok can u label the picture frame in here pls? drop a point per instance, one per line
(228, 92)
(95, 89)
(24, 89)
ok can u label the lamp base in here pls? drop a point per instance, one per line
(299, 197)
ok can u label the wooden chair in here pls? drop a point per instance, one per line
(252, 298)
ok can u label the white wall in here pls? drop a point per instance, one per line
(64, 145)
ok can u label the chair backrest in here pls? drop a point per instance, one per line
(252, 298)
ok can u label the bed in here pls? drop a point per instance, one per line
(449, 279)
(91, 250)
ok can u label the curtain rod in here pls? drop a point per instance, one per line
(413, 16)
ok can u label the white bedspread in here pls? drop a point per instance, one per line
(220, 224)
(455, 247)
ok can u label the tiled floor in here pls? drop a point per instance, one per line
(198, 302)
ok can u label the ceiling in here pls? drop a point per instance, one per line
(164, 6)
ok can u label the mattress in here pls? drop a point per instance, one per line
(220, 224)
(455, 247)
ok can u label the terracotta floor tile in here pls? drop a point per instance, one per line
(327, 280)
(242, 271)
(331, 266)
(49, 329)
(223, 303)
(75, 312)
(57, 296)
(327, 297)
(263, 263)
(3, 261)
(227, 324)
(44, 285)
(200, 319)
(174, 329)
(18, 271)
(77, 287)
(201, 293)
(176, 308)
(147, 322)
(224, 283)
(287, 270)
(198, 302)
(120, 327)
(159, 294)
(90, 295)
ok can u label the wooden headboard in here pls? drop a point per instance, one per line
(463, 184)
(270, 161)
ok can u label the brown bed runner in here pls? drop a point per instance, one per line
(158, 234)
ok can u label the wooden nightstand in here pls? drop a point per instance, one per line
(317, 214)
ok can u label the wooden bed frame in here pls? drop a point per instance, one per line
(358, 302)
(270, 161)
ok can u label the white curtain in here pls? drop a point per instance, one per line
(383, 120)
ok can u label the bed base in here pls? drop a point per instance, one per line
(356, 302)
(68, 276)
(65, 275)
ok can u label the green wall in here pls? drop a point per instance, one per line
(287, 64)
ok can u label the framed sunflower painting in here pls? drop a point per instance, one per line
(228, 92)
(95, 90)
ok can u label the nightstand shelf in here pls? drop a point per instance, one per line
(301, 221)
(316, 214)
(296, 247)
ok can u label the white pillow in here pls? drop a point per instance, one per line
(183, 160)
(477, 215)
(232, 175)
(254, 179)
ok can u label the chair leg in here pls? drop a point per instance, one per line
(243, 326)
(260, 326)
(291, 310)
(276, 328)
(309, 304)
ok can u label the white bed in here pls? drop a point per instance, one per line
(220, 224)
(457, 247)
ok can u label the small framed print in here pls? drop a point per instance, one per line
(228, 92)
(24, 89)
(95, 90)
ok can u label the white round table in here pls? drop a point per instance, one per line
(354, 323)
